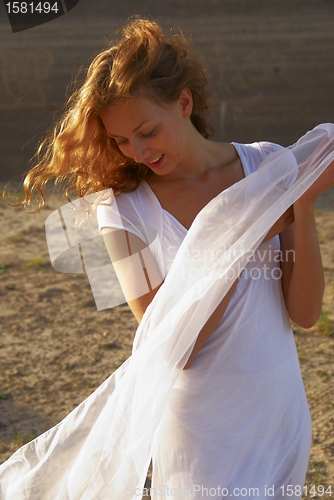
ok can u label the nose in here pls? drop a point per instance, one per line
(138, 151)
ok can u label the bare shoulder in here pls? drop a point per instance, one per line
(229, 162)
(224, 150)
(229, 152)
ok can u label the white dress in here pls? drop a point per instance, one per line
(237, 423)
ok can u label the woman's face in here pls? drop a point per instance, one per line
(150, 133)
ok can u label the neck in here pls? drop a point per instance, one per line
(200, 155)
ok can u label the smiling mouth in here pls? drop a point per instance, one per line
(156, 159)
(156, 162)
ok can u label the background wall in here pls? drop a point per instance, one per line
(271, 63)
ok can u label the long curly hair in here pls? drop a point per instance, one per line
(78, 152)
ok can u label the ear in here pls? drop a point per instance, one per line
(186, 102)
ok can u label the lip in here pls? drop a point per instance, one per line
(156, 164)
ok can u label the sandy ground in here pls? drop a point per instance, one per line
(56, 348)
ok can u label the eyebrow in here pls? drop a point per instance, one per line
(134, 130)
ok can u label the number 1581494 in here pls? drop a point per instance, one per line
(290, 490)
(31, 8)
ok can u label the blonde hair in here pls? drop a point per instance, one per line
(79, 152)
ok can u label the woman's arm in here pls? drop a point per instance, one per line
(302, 279)
(302, 273)
(135, 268)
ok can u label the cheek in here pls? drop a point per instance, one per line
(172, 138)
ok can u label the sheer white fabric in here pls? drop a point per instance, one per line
(106, 443)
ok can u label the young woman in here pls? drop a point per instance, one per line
(236, 420)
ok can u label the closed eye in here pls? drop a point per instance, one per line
(121, 143)
(149, 134)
